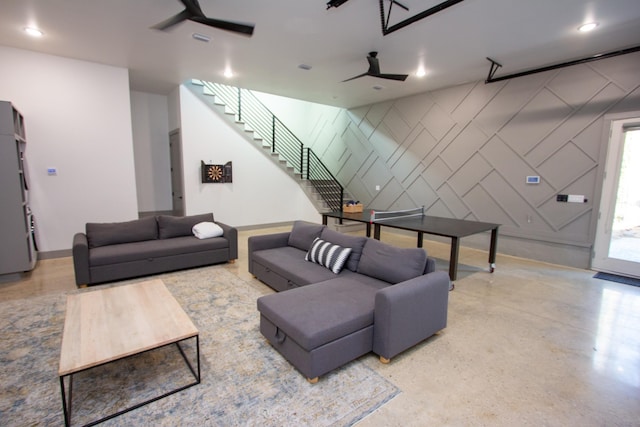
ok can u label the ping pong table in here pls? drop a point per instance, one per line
(455, 229)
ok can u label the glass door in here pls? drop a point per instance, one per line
(617, 243)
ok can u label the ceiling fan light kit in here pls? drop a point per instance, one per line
(374, 70)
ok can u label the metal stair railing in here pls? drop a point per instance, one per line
(323, 181)
(248, 109)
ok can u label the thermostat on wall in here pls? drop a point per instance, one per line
(533, 179)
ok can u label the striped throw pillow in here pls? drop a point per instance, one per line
(328, 255)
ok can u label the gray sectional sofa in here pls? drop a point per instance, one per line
(384, 299)
(151, 245)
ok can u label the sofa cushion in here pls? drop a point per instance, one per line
(114, 254)
(356, 243)
(391, 264)
(328, 255)
(207, 230)
(102, 234)
(318, 314)
(178, 226)
(303, 233)
(289, 262)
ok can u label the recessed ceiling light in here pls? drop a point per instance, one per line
(304, 67)
(378, 87)
(33, 32)
(228, 73)
(585, 28)
(421, 72)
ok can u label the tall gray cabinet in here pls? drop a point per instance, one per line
(17, 244)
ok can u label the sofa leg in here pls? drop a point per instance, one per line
(312, 380)
(384, 360)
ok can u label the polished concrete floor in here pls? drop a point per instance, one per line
(531, 344)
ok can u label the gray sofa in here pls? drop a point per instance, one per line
(384, 299)
(151, 245)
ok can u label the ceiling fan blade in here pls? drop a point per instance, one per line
(356, 77)
(176, 19)
(235, 27)
(400, 77)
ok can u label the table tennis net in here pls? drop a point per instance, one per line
(377, 216)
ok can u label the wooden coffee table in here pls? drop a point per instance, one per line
(110, 324)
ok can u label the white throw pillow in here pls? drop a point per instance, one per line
(206, 230)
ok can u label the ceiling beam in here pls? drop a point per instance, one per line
(495, 65)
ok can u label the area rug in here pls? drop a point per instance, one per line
(616, 278)
(244, 381)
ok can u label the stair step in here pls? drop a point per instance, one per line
(314, 190)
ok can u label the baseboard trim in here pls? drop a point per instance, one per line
(63, 253)
(269, 225)
(154, 213)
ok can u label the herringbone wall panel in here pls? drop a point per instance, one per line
(465, 151)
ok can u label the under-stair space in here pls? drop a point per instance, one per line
(268, 134)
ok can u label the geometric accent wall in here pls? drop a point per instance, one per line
(465, 151)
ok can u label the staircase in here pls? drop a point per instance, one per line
(271, 136)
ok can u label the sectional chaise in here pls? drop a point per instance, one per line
(341, 296)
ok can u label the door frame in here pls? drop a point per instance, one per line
(177, 183)
(612, 138)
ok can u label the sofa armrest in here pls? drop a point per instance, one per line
(409, 312)
(231, 234)
(431, 265)
(266, 241)
(80, 251)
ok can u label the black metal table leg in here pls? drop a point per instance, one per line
(453, 260)
(195, 372)
(492, 249)
(376, 231)
(66, 404)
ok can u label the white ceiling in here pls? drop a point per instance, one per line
(451, 45)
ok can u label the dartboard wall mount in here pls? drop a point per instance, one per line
(216, 174)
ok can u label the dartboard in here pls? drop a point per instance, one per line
(214, 173)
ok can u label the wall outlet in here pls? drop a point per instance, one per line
(377, 188)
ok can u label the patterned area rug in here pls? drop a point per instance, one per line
(244, 381)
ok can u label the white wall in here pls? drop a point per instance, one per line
(261, 193)
(78, 120)
(149, 113)
(305, 119)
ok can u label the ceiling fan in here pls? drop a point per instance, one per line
(193, 12)
(374, 70)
